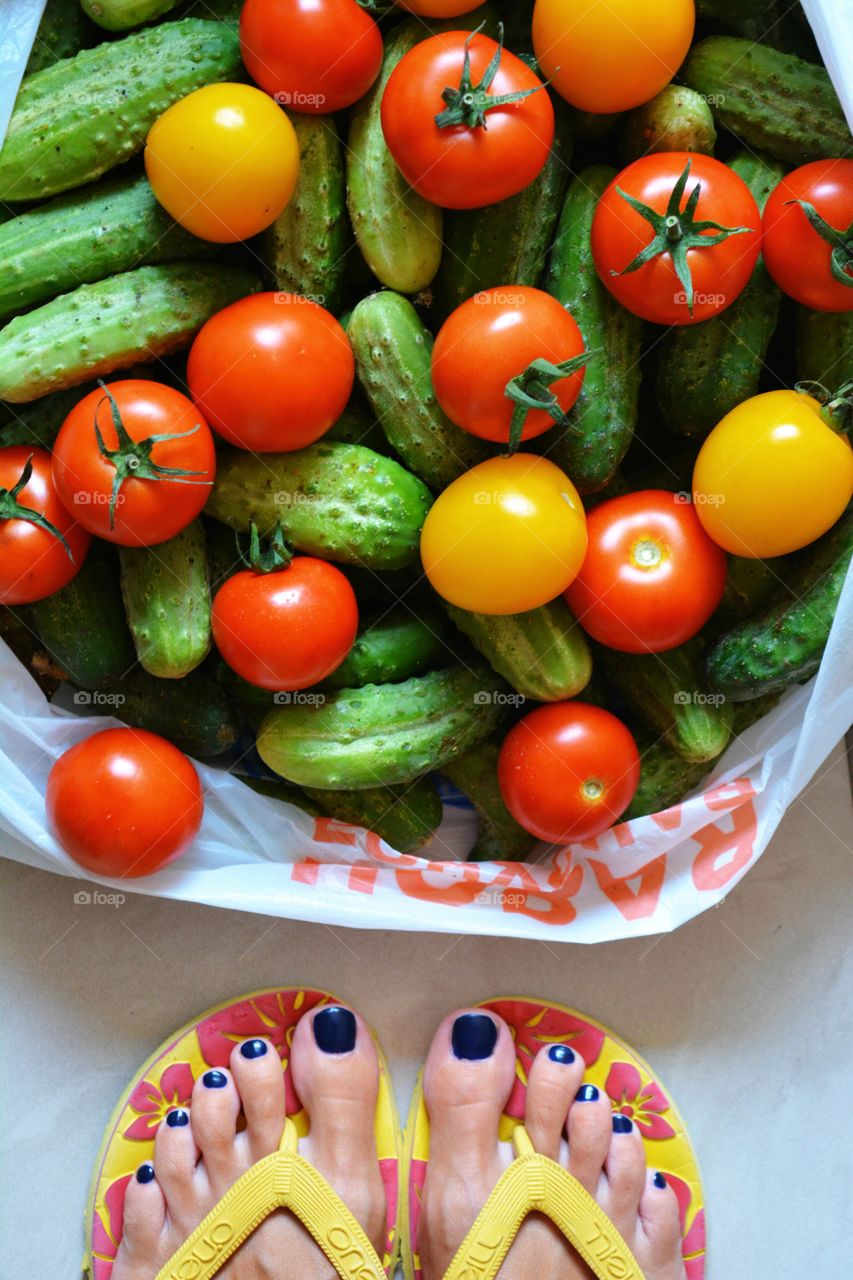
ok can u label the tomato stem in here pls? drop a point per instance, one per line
(840, 242)
(12, 509)
(270, 557)
(836, 406)
(468, 103)
(532, 390)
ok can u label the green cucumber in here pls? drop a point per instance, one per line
(381, 735)
(85, 236)
(731, 10)
(305, 249)
(750, 584)
(542, 653)
(676, 119)
(784, 643)
(84, 115)
(392, 351)
(772, 101)
(665, 777)
(166, 593)
(193, 713)
(63, 31)
(404, 817)
(500, 838)
(278, 789)
(393, 646)
(705, 370)
(136, 316)
(749, 713)
(338, 501)
(601, 424)
(37, 422)
(121, 15)
(824, 347)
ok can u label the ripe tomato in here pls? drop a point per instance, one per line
(315, 56)
(799, 254)
(772, 476)
(438, 8)
(477, 154)
(42, 547)
(145, 487)
(124, 803)
(491, 340)
(223, 161)
(652, 576)
(718, 271)
(611, 55)
(271, 372)
(567, 771)
(508, 535)
(287, 629)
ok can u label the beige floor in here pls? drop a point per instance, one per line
(746, 1013)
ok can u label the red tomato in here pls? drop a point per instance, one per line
(718, 272)
(124, 803)
(151, 505)
(798, 254)
(288, 629)
(651, 577)
(567, 771)
(33, 560)
(483, 158)
(271, 372)
(315, 56)
(492, 339)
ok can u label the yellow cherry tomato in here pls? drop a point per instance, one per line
(772, 476)
(439, 8)
(508, 535)
(611, 55)
(223, 161)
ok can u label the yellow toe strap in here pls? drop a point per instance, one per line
(535, 1184)
(283, 1180)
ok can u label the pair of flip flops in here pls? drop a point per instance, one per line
(286, 1180)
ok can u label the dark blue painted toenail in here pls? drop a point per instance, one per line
(145, 1173)
(214, 1080)
(253, 1049)
(660, 1181)
(177, 1119)
(474, 1036)
(334, 1030)
(561, 1053)
(587, 1093)
(622, 1124)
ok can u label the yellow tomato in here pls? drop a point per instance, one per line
(508, 535)
(223, 161)
(772, 476)
(439, 8)
(611, 55)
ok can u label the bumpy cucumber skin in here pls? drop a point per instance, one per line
(705, 370)
(381, 735)
(773, 101)
(824, 346)
(121, 15)
(404, 817)
(784, 643)
(85, 236)
(194, 714)
(392, 354)
(338, 501)
(305, 248)
(601, 424)
(166, 592)
(63, 31)
(665, 778)
(676, 119)
(395, 646)
(136, 316)
(543, 653)
(500, 838)
(86, 114)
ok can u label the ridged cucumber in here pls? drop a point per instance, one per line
(166, 593)
(824, 347)
(676, 119)
(665, 777)
(500, 838)
(394, 646)
(63, 31)
(404, 817)
(194, 713)
(121, 15)
(38, 421)
(136, 316)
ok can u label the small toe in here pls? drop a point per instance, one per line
(175, 1157)
(590, 1128)
(144, 1215)
(554, 1079)
(214, 1110)
(625, 1168)
(258, 1075)
(660, 1218)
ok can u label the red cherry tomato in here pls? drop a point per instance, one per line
(33, 560)
(124, 803)
(651, 577)
(797, 253)
(288, 629)
(314, 56)
(567, 771)
(492, 339)
(271, 372)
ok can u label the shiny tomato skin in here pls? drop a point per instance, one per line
(33, 562)
(460, 167)
(797, 256)
(315, 56)
(492, 338)
(288, 629)
(124, 803)
(652, 576)
(271, 372)
(719, 273)
(147, 511)
(567, 771)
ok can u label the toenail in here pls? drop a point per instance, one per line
(587, 1093)
(622, 1124)
(177, 1119)
(145, 1173)
(474, 1036)
(561, 1053)
(659, 1181)
(214, 1080)
(334, 1030)
(253, 1049)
